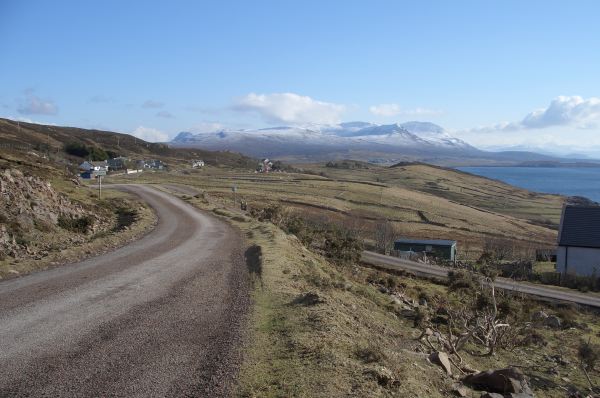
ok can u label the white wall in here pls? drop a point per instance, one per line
(580, 261)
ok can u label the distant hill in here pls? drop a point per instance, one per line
(19, 135)
(386, 144)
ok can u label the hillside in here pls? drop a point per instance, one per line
(323, 326)
(51, 140)
(419, 201)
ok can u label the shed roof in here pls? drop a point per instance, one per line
(434, 242)
(580, 226)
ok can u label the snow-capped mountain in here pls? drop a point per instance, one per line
(313, 141)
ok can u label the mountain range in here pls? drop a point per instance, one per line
(386, 143)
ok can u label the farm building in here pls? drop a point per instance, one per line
(442, 249)
(579, 241)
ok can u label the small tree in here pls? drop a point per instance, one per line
(384, 236)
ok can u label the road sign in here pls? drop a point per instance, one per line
(98, 173)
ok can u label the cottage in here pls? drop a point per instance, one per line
(579, 241)
(442, 249)
(154, 164)
(94, 166)
(196, 164)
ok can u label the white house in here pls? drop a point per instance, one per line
(579, 241)
(197, 164)
(94, 166)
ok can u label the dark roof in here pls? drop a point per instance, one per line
(580, 226)
(438, 242)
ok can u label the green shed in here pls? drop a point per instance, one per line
(443, 249)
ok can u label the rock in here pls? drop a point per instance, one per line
(508, 380)
(441, 358)
(539, 316)
(382, 375)
(383, 289)
(491, 395)
(460, 390)
(553, 322)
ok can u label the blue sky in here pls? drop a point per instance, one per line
(496, 73)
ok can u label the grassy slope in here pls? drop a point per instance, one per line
(460, 206)
(312, 351)
(53, 138)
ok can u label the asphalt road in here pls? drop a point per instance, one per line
(546, 292)
(160, 317)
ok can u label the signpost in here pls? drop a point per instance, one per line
(234, 190)
(99, 174)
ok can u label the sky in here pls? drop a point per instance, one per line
(498, 74)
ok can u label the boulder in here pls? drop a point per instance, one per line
(539, 316)
(553, 322)
(504, 381)
(460, 390)
(441, 358)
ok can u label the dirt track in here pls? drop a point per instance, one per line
(160, 317)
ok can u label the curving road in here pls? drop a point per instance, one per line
(160, 317)
(545, 292)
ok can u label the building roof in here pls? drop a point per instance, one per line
(434, 242)
(580, 226)
(100, 163)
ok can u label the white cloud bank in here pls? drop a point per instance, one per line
(563, 111)
(290, 108)
(390, 110)
(149, 134)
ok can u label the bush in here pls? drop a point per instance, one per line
(77, 149)
(78, 224)
(459, 280)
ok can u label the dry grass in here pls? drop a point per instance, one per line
(339, 344)
(463, 207)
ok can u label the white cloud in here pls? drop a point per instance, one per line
(566, 111)
(389, 110)
(563, 111)
(33, 105)
(150, 134)
(151, 104)
(165, 114)
(290, 108)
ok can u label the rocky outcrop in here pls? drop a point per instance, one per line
(29, 206)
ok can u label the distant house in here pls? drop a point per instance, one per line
(154, 164)
(579, 241)
(119, 163)
(442, 249)
(94, 166)
(197, 164)
(264, 166)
